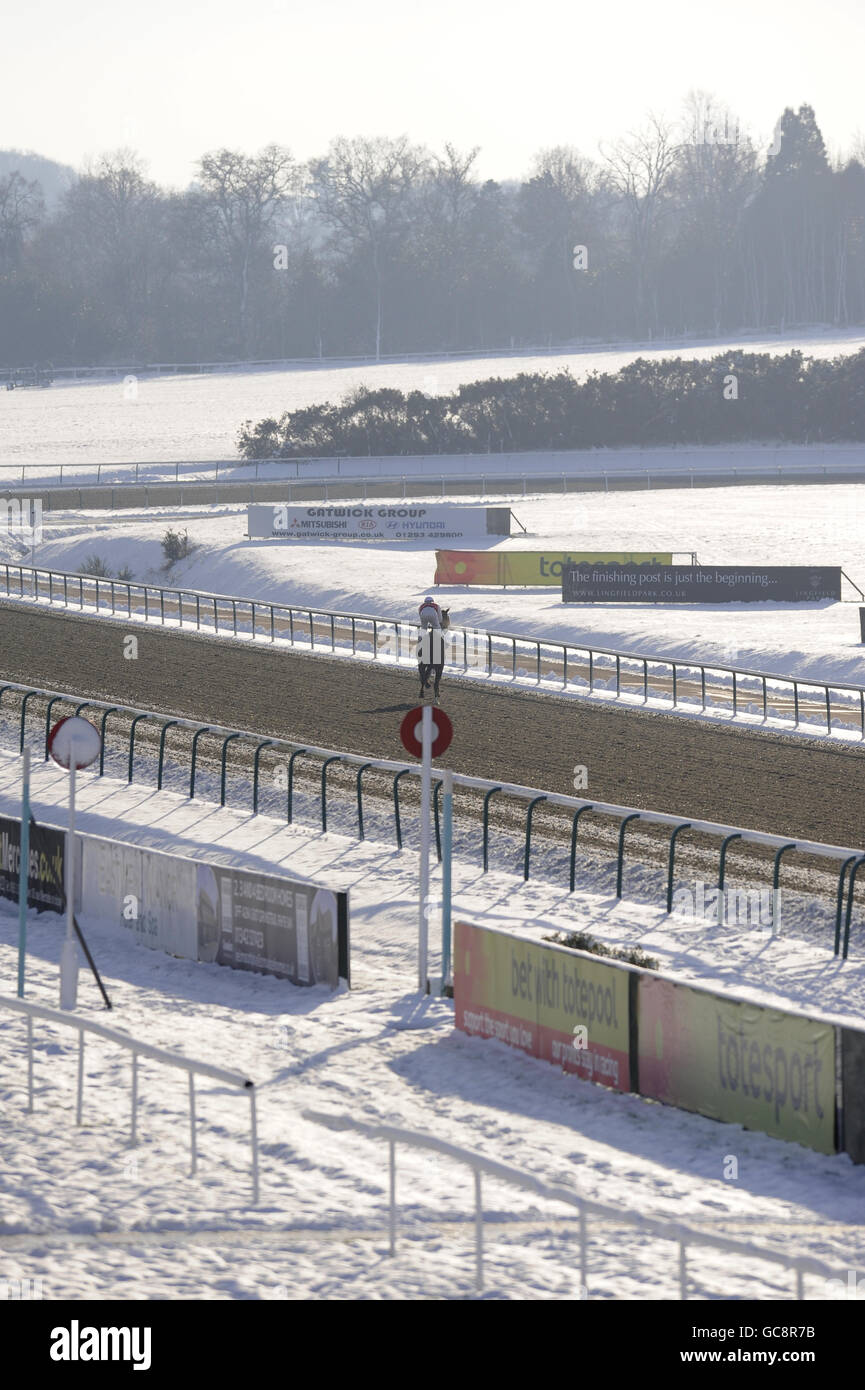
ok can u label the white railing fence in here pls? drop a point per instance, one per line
(138, 1049)
(683, 1236)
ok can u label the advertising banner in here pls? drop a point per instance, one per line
(390, 522)
(736, 1061)
(206, 912)
(853, 1091)
(664, 583)
(260, 922)
(146, 893)
(46, 868)
(527, 567)
(532, 995)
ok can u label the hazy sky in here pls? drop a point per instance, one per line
(173, 79)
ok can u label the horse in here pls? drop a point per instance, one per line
(427, 670)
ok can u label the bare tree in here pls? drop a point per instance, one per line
(639, 169)
(21, 211)
(364, 190)
(246, 193)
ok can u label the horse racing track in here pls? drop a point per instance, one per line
(802, 788)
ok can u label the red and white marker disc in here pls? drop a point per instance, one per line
(80, 732)
(411, 732)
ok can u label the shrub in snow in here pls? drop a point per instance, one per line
(94, 564)
(584, 941)
(176, 547)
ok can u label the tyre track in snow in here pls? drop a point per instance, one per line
(646, 759)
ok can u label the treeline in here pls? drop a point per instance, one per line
(384, 247)
(736, 397)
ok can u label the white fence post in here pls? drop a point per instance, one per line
(253, 1132)
(192, 1123)
(133, 1137)
(479, 1232)
(30, 1063)
(392, 1168)
(80, 1101)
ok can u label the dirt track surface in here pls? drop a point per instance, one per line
(802, 788)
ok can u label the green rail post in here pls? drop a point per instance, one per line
(51, 703)
(402, 773)
(839, 902)
(491, 793)
(722, 863)
(136, 720)
(298, 753)
(529, 814)
(225, 743)
(776, 917)
(581, 811)
(635, 815)
(447, 881)
(170, 725)
(335, 758)
(438, 834)
(112, 709)
(23, 870)
(28, 696)
(850, 891)
(677, 830)
(265, 743)
(361, 770)
(196, 736)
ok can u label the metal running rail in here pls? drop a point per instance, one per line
(470, 649)
(554, 1192)
(852, 859)
(525, 481)
(138, 1049)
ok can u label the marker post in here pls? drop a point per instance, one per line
(69, 952)
(425, 786)
(73, 742)
(23, 871)
(447, 855)
(435, 739)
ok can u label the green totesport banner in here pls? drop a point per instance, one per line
(530, 567)
(738, 1062)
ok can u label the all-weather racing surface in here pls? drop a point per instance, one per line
(807, 789)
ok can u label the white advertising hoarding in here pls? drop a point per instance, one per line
(149, 894)
(396, 521)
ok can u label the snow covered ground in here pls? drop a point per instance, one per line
(819, 524)
(198, 417)
(92, 1218)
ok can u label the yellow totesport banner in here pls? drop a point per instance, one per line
(530, 567)
(544, 999)
(739, 1062)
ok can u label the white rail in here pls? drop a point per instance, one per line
(138, 1049)
(682, 1235)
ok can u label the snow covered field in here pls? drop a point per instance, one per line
(819, 524)
(198, 417)
(92, 1218)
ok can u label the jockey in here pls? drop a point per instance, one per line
(430, 613)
